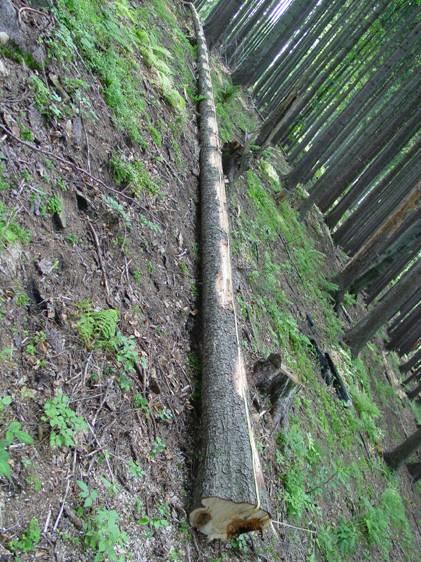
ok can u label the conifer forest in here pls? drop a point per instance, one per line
(210, 281)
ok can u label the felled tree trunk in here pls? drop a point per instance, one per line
(279, 384)
(230, 496)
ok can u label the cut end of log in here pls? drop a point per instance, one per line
(225, 519)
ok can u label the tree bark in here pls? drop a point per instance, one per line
(413, 301)
(411, 377)
(363, 331)
(398, 456)
(360, 262)
(414, 392)
(381, 201)
(414, 361)
(230, 496)
(414, 469)
(409, 243)
(219, 18)
(404, 326)
(363, 183)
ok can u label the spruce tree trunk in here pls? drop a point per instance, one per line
(413, 300)
(404, 326)
(362, 260)
(411, 377)
(398, 456)
(230, 496)
(413, 362)
(414, 469)
(365, 329)
(414, 392)
(361, 186)
(219, 18)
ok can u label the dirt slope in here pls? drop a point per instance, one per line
(99, 193)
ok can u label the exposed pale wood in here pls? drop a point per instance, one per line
(230, 496)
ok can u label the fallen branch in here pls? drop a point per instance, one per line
(101, 262)
(71, 165)
(230, 497)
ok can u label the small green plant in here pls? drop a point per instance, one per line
(87, 494)
(349, 299)
(156, 135)
(118, 210)
(14, 432)
(4, 402)
(158, 447)
(135, 469)
(132, 175)
(29, 540)
(54, 205)
(72, 239)
(10, 231)
(142, 403)
(104, 536)
(46, 101)
(26, 134)
(125, 383)
(64, 422)
(98, 328)
(22, 299)
(6, 357)
(32, 346)
(4, 182)
(137, 276)
(183, 267)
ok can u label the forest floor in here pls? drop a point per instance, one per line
(100, 315)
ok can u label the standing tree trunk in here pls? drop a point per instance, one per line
(414, 469)
(414, 392)
(360, 262)
(365, 329)
(411, 363)
(219, 18)
(398, 456)
(230, 496)
(411, 377)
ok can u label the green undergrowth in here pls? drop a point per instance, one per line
(10, 231)
(235, 120)
(117, 41)
(330, 473)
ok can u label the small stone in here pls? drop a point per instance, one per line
(3, 70)
(4, 38)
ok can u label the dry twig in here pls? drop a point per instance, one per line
(101, 262)
(71, 165)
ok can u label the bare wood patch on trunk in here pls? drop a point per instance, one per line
(230, 496)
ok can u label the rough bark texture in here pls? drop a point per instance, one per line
(230, 497)
(364, 257)
(414, 392)
(398, 455)
(414, 361)
(363, 331)
(411, 377)
(414, 469)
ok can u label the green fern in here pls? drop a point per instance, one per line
(98, 328)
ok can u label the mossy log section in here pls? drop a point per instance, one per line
(230, 496)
